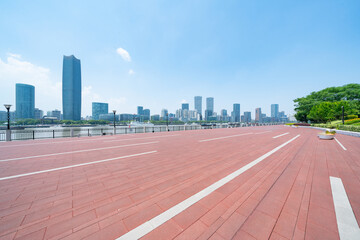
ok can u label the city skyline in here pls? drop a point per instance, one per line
(234, 58)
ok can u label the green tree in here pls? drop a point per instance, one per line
(349, 93)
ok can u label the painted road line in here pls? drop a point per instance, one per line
(340, 143)
(212, 139)
(157, 221)
(42, 143)
(281, 135)
(346, 221)
(78, 151)
(76, 165)
(143, 138)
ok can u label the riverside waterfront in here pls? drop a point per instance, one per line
(63, 132)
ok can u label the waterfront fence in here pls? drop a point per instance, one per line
(96, 131)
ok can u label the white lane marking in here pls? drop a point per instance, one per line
(142, 138)
(76, 165)
(340, 143)
(78, 151)
(70, 141)
(263, 132)
(281, 135)
(346, 221)
(211, 139)
(150, 225)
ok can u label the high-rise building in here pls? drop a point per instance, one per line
(185, 106)
(223, 116)
(99, 108)
(209, 108)
(38, 114)
(236, 112)
(164, 113)
(155, 117)
(71, 88)
(247, 117)
(146, 114)
(275, 112)
(198, 104)
(25, 101)
(56, 113)
(258, 115)
(140, 110)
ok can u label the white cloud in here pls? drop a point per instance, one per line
(183, 101)
(131, 72)
(15, 70)
(124, 54)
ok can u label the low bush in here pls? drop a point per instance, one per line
(352, 121)
(302, 124)
(353, 128)
(351, 116)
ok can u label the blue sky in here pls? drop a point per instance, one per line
(250, 52)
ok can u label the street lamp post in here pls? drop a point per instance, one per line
(342, 108)
(8, 131)
(167, 121)
(114, 111)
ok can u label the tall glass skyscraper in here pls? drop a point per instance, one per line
(236, 112)
(25, 101)
(185, 106)
(198, 104)
(274, 112)
(71, 85)
(99, 108)
(209, 111)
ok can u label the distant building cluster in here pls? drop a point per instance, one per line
(71, 102)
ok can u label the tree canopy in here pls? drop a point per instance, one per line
(325, 105)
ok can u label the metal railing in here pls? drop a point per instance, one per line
(96, 131)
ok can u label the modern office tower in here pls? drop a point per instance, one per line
(185, 106)
(164, 113)
(155, 117)
(209, 107)
(56, 113)
(198, 104)
(223, 116)
(140, 110)
(247, 117)
(146, 114)
(126, 117)
(99, 108)
(236, 112)
(71, 87)
(38, 114)
(258, 115)
(25, 101)
(109, 117)
(274, 112)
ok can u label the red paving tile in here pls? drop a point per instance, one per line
(286, 196)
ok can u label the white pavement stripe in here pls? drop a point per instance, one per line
(281, 135)
(76, 165)
(143, 138)
(150, 225)
(340, 143)
(42, 143)
(78, 151)
(211, 139)
(346, 221)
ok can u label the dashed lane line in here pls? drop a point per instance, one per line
(76, 165)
